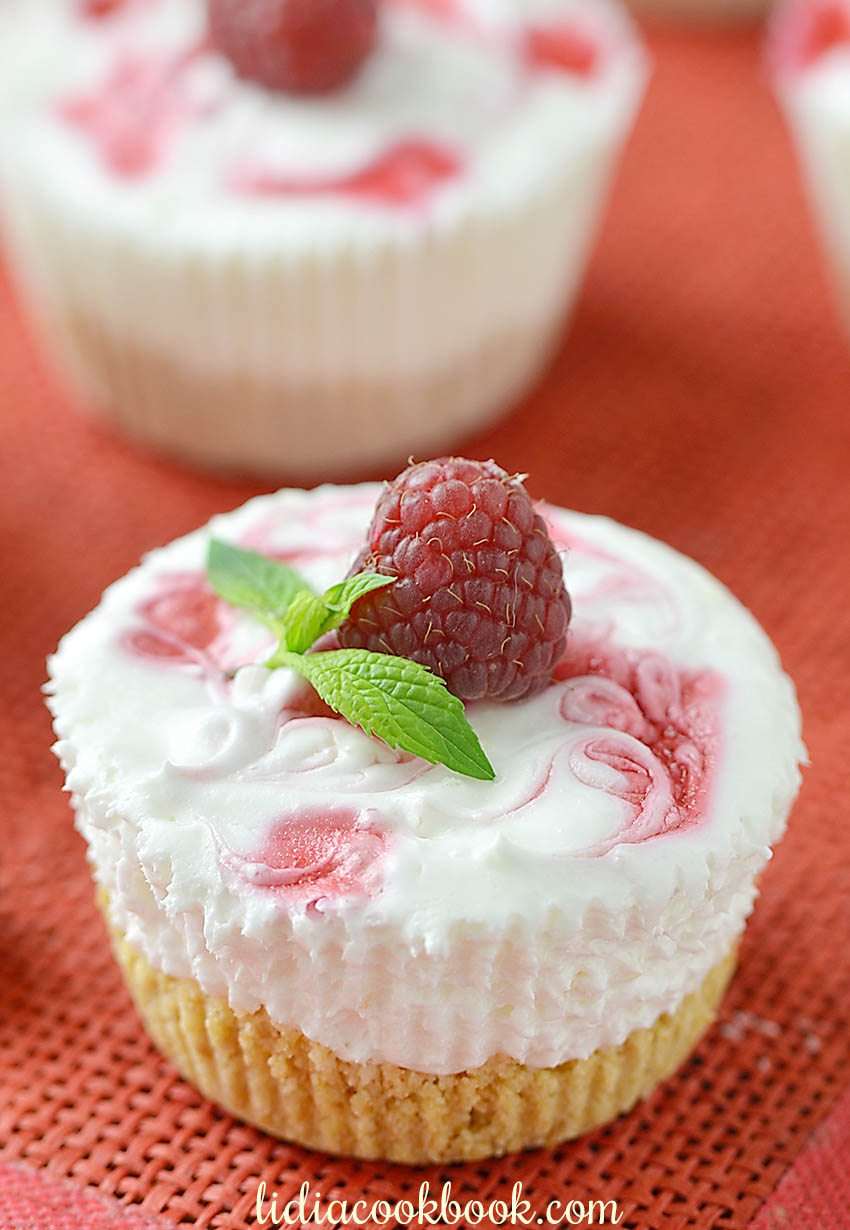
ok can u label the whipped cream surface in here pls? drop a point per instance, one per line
(393, 910)
(456, 94)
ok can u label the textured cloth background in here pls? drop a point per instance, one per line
(34, 1200)
(816, 1191)
(703, 395)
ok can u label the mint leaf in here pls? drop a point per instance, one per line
(308, 617)
(306, 620)
(398, 700)
(261, 585)
(341, 598)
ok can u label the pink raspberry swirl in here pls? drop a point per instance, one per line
(662, 743)
(310, 857)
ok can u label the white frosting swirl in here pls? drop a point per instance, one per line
(393, 910)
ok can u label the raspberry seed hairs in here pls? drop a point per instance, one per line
(479, 596)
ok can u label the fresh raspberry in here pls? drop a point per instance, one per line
(480, 594)
(300, 46)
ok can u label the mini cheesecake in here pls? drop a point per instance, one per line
(809, 54)
(254, 280)
(373, 955)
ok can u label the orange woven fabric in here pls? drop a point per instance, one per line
(33, 1200)
(816, 1191)
(703, 395)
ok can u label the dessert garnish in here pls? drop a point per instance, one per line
(297, 46)
(458, 596)
(479, 593)
(394, 698)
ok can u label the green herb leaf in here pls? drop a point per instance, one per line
(341, 598)
(264, 586)
(308, 617)
(306, 620)
(398, 700)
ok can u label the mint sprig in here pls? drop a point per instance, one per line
(260, 585)
(400, 701)
(308, 617)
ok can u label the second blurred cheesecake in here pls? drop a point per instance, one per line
(317, 262)
(809, 55)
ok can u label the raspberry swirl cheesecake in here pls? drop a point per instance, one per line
(809, 55)
(264, 251)
(497, 943)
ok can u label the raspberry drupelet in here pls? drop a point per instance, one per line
(480, 595)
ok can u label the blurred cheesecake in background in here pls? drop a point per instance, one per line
(260, 250)
(809, 56)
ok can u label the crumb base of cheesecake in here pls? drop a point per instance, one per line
(278, 1079)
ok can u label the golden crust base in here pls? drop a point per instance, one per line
(276, 1078)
